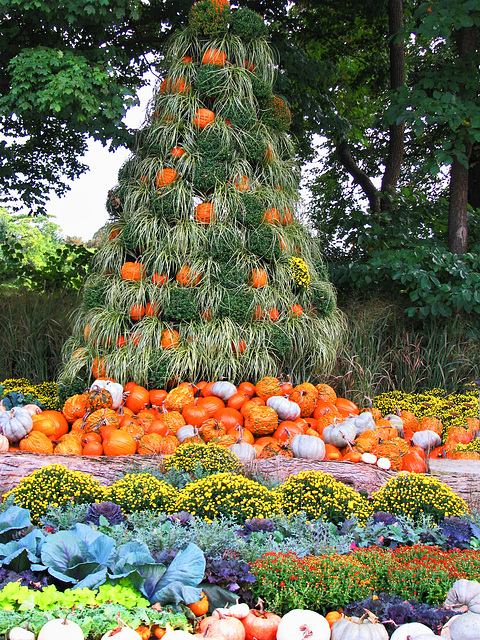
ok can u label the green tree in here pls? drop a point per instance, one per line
(70, 70)
(207, 270)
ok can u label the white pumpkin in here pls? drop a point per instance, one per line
(309, 447)
(19, 633)
(61, 629)
(412, 630)
(464, 596)
(426, 636)
(33, 409)
(339, 434)
(359, 628)
(369, 458)
(426, 439)
(397, 422)
(239, 610)
(114, 388)
(298, 624)
(224, 390)
(363, 422)
(463, 627)
(243, 451)
(285, 409)
(16, 423)
(121, 633)
(187, 431)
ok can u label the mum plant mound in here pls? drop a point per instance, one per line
(206, 270)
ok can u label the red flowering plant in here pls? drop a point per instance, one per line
(286, 581)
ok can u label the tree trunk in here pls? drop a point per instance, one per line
(396, 143)
(397, 79)
(345, 156)
(474, 177)
(458, 194)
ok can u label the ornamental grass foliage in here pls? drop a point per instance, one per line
(202, 459)
(142, 492)
(417, 494)
(53, 486)
(319, 495)
(213, 160)
(227, 494)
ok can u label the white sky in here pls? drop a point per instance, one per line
(81, 212)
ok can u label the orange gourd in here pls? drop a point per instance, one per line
(271, 216)
(214, 56)
(137, 399)
(258, 278)
(187, 278)
(165, 177)
(36, 442)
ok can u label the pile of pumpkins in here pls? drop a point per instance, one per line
(259, 420)
(240, 622)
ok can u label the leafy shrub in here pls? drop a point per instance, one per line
(319, 495)
(142, 492)
(202, 458)
(227, 494)
(55, 485)
(414, 494)
(208, 18)
(247, 24)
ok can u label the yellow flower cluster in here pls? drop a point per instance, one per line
(228, 495)
(204, 458)
(415, 494)
(142, 492)
(320, 495)
(53, 486)
(474, 445)
(452, 409)
(45, 393)
(300, 272)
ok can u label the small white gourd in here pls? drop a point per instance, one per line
(412, 630)
(61, 629)
(369, 458)
(384, 463)
(298, 624)
(19, 633)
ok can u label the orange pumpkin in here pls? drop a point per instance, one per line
(296, 310)
(200, 607)
(346, 407)
(261, 421)
(137, 312)
(195, 414)
(325, 392)
(119, 443)
(187, 278)
(156, 397)
(258, 278)
(271, 216)
(137, 399)
(93, 449)
(211, 404)
(203, 213)
(268, 387)
(287, 217)
(44, 425)
(203, 117)
(214, 56)
(172, 85)
(170, 339)
(246, 387)
(177, 152)
(159, 279)
(332, 453)
(133, 271)
(165, 177)
(212, 428)
(229, 417)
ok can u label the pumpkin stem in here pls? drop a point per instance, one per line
(260, 604)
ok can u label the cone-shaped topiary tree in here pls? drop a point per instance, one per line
(207, 271)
